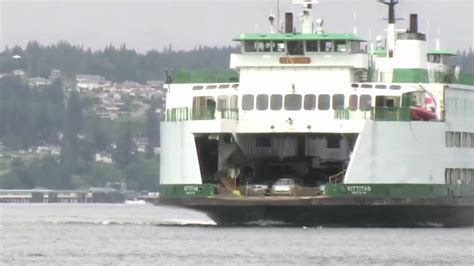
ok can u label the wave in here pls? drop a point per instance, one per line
(204, 223)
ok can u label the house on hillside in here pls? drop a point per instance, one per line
(91, 82)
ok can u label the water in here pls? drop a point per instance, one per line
(119, 234)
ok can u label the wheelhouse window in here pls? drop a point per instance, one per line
(353, 102)
(309, 102)
(276, 101)
(295, 47)
(323, 102)
(325, 46)
(262, 102)
(312, 46)
(250, 47)
(340, 46)
(355, 47)
(279, 46)
(338, 101)
(293, 102)
(247, 102)
(365, 102)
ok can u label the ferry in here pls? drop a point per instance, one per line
(323, 129)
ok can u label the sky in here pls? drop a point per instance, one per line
(185, 24)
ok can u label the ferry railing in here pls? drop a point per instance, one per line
(201, 113)
(392, 114)
(230, 114)
(177, 114)
(375, 113)
(337, 178)
(348, 114)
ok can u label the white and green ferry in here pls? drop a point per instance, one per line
(351, 133)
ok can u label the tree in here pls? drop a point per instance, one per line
(143, 175)
(71, 159)
(152, 130)
(125, 151)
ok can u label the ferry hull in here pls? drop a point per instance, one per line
(377, 212)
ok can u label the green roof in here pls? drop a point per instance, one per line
(297, 37)
(380, 52)
(441, 52)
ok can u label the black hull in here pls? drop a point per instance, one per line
(337, 212)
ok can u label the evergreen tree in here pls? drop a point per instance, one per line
(126, 148)
(71, 159)
(152, 131)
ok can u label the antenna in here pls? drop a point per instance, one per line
(355, 24)
(391, 30)
(391, 9)
(278, 15)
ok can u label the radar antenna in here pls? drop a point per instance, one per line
(391, 9)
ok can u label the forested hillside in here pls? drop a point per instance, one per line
(115, 64)
(51, 117)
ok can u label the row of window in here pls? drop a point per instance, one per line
(456, 139)
(354, 85)
(377, 86)
(458, 176)
(299, 47)
(211, 87)
(294, 102)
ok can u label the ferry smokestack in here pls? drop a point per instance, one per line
(413, 23)
(288, 22)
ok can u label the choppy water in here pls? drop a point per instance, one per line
(82, 234)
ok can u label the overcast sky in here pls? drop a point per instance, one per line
(153, 24)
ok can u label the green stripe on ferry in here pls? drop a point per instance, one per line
(410, 75)
(398, 190)
(188, 190)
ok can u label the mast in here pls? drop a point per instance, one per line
(391, 31)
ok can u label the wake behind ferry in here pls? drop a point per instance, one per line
(318, 128)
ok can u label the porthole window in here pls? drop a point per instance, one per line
(293, 102)
(276, 101)
(353, 102)
(365, 102)
(323, 102)
(309, 102)
(338, 101)
(247, 102)
(262, 102)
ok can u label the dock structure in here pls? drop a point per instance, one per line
(93, 195)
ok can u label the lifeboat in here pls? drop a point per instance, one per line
(420, 113)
